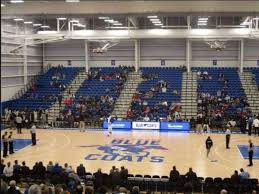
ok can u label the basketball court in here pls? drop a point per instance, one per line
(142, 152)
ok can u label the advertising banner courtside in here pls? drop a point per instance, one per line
(145, 125)
(118, 125)
(162, 126)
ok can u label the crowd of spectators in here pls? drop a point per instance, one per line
(57, 179)
(93, 108)
(24, 118)
(141, 109)
(220, 108)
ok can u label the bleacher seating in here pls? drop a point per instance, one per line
(233, 88)
(33, 99)
(173, 77)
(95, 88)
(255, 71)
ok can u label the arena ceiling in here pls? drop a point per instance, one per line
(85, 7)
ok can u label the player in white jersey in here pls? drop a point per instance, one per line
(109, 125)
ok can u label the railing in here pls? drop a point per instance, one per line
(22, 91)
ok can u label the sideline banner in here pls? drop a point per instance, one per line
(175, 126)
(118, 125)
(145, 125)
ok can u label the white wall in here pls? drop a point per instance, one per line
(173, 51)
(12, 66)
(251, 53)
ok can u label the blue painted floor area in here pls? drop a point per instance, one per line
(244, 151)
(20, 144)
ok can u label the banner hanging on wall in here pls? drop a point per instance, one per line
(162, 62)
(257, 62)
(112, 62)
(215, 62)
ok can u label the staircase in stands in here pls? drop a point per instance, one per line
(124, 101)
(54, 111)
(189, 95)
(251, 91)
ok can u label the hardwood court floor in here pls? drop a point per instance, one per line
(160, 152)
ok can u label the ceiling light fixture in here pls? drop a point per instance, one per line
(28, 22)
(45, 26)
(62, 18)
(157, 19)
(103, 18)
(156, 22)
(152, 16)
(17, 1)
(2, 5)
(117, 24)
(203, 19)
(18, 19)
(110, 21)
(36, 25)
(72, 1)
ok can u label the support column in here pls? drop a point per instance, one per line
(189, 22)
(58, 24)
(25, 63)
(86, 57)
(188, 55)
(43, 57)
(137, 55)
(241, 55)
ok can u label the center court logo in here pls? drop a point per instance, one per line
(127, 150)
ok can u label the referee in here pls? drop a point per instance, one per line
(250, 152)
(5, 144)
(228, 133)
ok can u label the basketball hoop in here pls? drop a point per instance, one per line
(217, 45)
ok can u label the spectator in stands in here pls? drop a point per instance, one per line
(67, 169)
(8, 171)
(57, 169)
(174, 175)
(2, 166)
(98, 178)
(223, 191)
(3, 187)
(16, 167)
(235, 177)
(243, 174)
(199, 123)
(25, 170)
(190, 175)
(50, 167)
(34, 189)
(192, 123)
(13, 189)
(80, 170)
(124, 173)
(135, 190)
(115, 177)
(256, 125)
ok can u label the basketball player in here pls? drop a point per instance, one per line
(250, 152)
(209, 144)
(110, 125)
(228, 132)
(10, 141)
